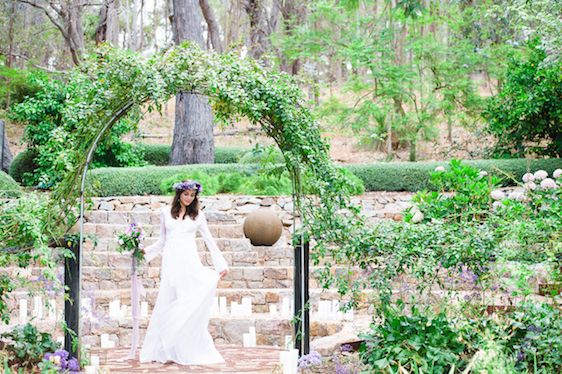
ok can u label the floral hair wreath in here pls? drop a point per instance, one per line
(188, 185)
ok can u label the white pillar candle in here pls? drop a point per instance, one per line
(247, 305)
(38, 307)
(89, 369)
(286, 306)
(144, 309)
(124, 312)
(246, 340)
(52, 309)
(115, 309)
(216, 308)
(23, 311)
(105, 342)
(234, 308)
(252, 334)
(94, 360)
(288, 342)
(293, 361)
(60, 340)
(336, 314)
(273, 310)
(223, 309)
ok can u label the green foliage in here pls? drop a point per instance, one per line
(16, 83)
(159, 154)
(26, 346)
(463, 194)
(23, 166)
(52, 134)
(8, 187)
(526, 115)
(535, 337)
(262, 155)
(408, 176)
(419, 342)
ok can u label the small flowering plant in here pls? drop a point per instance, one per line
(132, 240)
(310, 360)
(60, 362)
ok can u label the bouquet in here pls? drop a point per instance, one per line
(132, 241)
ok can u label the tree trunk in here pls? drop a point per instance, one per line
(5, 154)
(259, 31)
(293, 13)
(232, 22)
(107, 30)
(193, 128)
(10, 56)
(72, 16)
(213, 27)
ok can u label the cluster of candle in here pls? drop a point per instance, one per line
(118, 311)
(244, 308)
(249, 339)
(94, 365)
(330, 309)
(37, 311)
(105, 342)
(289, 361)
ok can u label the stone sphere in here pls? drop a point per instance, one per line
(263, 227)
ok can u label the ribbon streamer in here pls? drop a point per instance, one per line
(136, 290)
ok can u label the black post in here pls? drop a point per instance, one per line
(302, 320)
(72, 301)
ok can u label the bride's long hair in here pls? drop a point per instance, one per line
(192, 210)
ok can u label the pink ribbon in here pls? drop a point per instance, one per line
(136, 290)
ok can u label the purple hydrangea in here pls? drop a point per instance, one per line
(60, 359)
(311, 359)
(346, 348)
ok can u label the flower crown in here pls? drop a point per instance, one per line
(188, 185)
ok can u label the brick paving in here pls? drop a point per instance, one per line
(237, 360)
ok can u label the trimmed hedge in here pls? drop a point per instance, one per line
(159, 154)
(398, 176)
(22, 163)
(8, 186)
(146, 180)
(414, 176)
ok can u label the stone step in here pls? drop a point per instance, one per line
(152, 217)
(270, 330)
(111, 230)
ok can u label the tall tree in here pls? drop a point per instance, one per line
(213, 27)
(67, 18)
(193, 141)
(108, 26)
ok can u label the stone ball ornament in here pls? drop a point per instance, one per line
(263, 227)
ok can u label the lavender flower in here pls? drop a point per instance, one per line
(311, 359)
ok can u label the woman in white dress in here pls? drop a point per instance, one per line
(178, 328)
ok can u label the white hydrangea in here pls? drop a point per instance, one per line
(483, 173)
(540, 174)
(440, 169)
(496, 205)
(548, 183)
(518, 195)
(497, 195)
(528, 177)
(557, 173)
(531, 186)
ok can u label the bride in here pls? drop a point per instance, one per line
(178, 328)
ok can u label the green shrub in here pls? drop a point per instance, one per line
(8, 186)
(147, 180)
(23, 164)
(27, 346)
(159, 154)
(415, 176)
(262, 155)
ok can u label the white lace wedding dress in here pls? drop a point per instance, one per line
(178, 328)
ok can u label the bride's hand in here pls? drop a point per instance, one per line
(223, 273)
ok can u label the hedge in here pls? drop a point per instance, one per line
(414, 176)
(397, 176)
(8, 186)
(22, 163)
(146, 180)
(159, 154)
